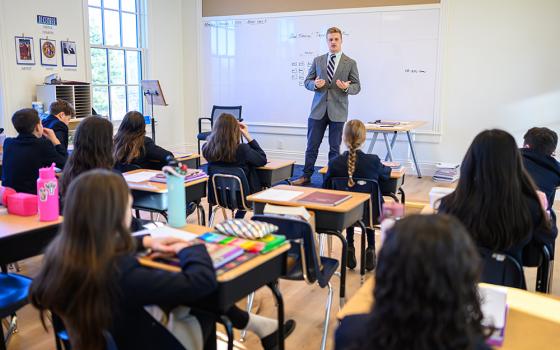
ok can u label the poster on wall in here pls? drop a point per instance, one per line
(48, 52)
(69, 57)
(24, 50)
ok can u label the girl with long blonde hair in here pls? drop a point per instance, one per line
(356, 164)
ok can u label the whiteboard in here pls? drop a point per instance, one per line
(261, 61)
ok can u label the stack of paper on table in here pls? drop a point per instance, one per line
(278, 195)
(140, 176)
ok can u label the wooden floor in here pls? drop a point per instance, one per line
(303, 303)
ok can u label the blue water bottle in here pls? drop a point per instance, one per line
(176, 208)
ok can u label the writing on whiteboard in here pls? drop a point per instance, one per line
(414, 71)
(310, 35)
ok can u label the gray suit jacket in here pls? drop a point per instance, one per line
(330, 98)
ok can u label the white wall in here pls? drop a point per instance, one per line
(20, 17)
(500, 69)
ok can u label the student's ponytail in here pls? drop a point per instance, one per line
(354, 137)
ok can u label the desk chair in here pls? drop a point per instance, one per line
(227, 189)
(502, 269)
(372, 209)
(216, 112)
(304, 262)
(62, 340)
(13, 296)
(539, 255)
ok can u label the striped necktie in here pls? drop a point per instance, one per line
(330, 67)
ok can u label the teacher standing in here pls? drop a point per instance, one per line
(332, 76)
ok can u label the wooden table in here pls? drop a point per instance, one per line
(22, 237)
(533, 319)
(388, 188)
(276, 171)
(241, 281)
(328, 219)
(152, 196)
(405, 127)
(192, 160)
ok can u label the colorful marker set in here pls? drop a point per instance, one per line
(262, 245)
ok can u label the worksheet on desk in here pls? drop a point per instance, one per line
(278, 195)
(139, 176)
(168, 231)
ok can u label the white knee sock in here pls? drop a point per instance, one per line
(261, 326)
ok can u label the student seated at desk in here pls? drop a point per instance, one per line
(425, 293)
(539, 145)
(224, 149)
(92, 280)
(133, 147)
(93, 149)
(356, 164)
(35, 147)
(61, 112)
(496, 199)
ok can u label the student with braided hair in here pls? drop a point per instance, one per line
(356, 164)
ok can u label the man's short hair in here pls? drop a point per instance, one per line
(62, 106)
(25, 120)
(333, 30)
(542, 140)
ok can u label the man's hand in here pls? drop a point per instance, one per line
(319, 83)
(63, 118)
(50, 135)
(343, 85)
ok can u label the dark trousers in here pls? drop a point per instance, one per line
(370, 236)
(315, 132)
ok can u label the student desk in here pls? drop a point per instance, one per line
(405, 127)
(22, 237)
(243, 280)
(192, 160)
(328, 219)
(276, 171)
(388, 188)
(533, 319)
(152, 196)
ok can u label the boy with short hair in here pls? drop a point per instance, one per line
(35, 147)
(61, 112)
(539, 146)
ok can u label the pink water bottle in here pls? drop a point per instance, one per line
(47, 194)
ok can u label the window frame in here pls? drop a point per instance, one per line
(140, 49)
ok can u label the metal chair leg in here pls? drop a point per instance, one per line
(11, 328)
(327, 317)
(213, 215)
(250, 299)
(322, 238)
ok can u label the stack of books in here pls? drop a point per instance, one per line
(446, 172)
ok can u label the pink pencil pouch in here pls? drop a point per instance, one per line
(22, 204)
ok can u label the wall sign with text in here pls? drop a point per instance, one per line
(46, 20)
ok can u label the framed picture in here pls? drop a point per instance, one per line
(48, 52)
(69, 57)
(24, 50)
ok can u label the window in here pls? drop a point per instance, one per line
(116, 56)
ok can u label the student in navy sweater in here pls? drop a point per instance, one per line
(61, 112)
(91, 279)
(496, 199)
(538, 153)
(356, 164)
(35, 147)
(425, 293)
(133, 147)
(224, 149)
